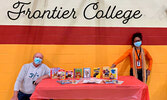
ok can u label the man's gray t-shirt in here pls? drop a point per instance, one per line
(27, 75)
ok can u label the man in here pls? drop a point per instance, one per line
(30, 75)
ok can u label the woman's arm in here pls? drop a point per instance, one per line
(120, 59)
(150, 60)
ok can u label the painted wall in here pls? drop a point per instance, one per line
(77, 43)
(81, 54)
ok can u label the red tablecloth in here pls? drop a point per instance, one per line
(131, 89)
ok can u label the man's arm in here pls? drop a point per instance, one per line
(41, 78)
(46, 75)
(18, 83)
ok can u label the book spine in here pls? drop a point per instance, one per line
(51, 73)
(83, 72)
(74, 73)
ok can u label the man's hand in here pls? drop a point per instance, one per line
(148, 72)
(113, 66)
(14, 98)
(40, 79)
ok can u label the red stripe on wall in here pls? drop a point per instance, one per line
(79, 35)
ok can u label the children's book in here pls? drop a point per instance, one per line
(75, 81)
(106, 72)
(92, 81)
(61, 74)
(77, 73)
(64, 81)
(113, 73)
(113, 81)
(86, 72)
(54, 72)
(120, 82)
(96, 72)
(69, 74)
(108, 81)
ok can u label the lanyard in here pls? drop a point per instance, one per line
(138, 54)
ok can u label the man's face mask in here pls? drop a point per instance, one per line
(138, 44)
(37, 61)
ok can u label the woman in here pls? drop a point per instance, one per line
(137, 57)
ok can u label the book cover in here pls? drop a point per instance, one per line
(113, 73)
(106, 72)
(77, 73)
(108, 81)
(69, 74)
(75, 81)
(112, 81)
(61, 74)
(54, 72)
(96, 72)
(87, 72)
(92, 81)
(64, 81)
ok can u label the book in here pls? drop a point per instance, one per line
(113, 73)
(86, 72)
(92, 81)
(69, 74)
(96, 72)
(106, 72)
(75, 81)
(61, 74)
(54, 72)
(108, 82)
(113, 81)
(120, 82)
(64, 81)
(77, 73)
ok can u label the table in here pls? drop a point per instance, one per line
(131, 89)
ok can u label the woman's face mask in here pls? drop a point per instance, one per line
(138, 43)
(37, 61)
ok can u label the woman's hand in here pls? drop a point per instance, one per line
(148, 72)
(113, 66)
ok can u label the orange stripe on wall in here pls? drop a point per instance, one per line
(79, 56)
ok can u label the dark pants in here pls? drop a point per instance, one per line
(139, 73)
(23, 96)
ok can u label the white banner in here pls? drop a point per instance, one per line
(108, 13)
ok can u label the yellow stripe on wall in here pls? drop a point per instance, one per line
(68, 57)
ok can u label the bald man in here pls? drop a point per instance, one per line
(30, 75)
